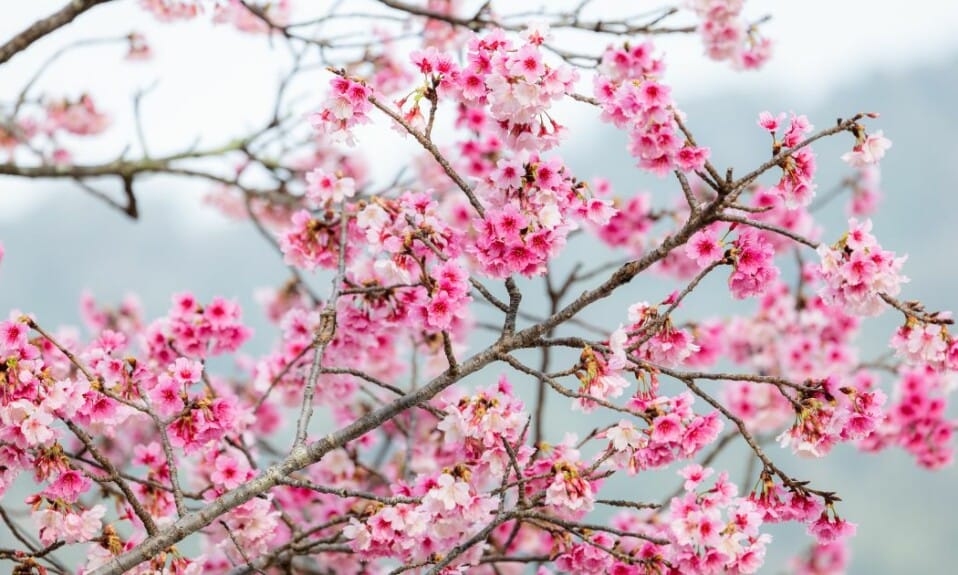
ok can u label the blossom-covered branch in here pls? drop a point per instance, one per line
(438, 450)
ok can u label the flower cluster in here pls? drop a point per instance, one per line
(323, 189)
(676, 432)
(78, 117)
(448, 297)
(240, 14)
(588, 557)
(415, 256)
(857, 272)
(753, 251)
(778, 504)
(68, 526)
(346, 106)
(917, 420)
(631, 97)
(713, 530)
(703, 530)
(600, 378)
(479, 426)
(172, 10)
(196, 331)
(250, 17)
(31, 403)
(656, 339)
(408, 230)
(794, 337)
(512, 81)
(309, 242)
(203, 420)
(869, 150)
(533, 204)
(924, 343)
(507, 244)
(754, 262)
(728, 37)
(866, 192)
(833, 414)
(565, 479)
(822, 558)
(629, 227)
(448, 511)
(796, 186)
(248, 531)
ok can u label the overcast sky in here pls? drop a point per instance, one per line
(817, 41)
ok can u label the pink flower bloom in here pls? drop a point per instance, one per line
(624, 436)
(830, 529)
(694, 475)
(630, 225)
(185, 371)
(704, 247)
(139, 49)
(667, 429)
(922, 343)
(253, 525)
(917, 421)
(691, 159)
(30, 423)
(856, 271)
(149, 455)
(569, 491)
(323, 188)
(823, 558)
(309, 244)
(868, 151)
(171, 10)
(770, 122)
(727, 35)
(449, 493)
(346, 106)
(508, 174)
(230, 472)
(80, 118)
(700, 431)
(358, 535)
(798, 127)
(167, 396)
(587, 557)
(527, 64)
(669, 347)
(755, 269)
(68, 486)
(70, 527)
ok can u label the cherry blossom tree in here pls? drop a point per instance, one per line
(141, 457)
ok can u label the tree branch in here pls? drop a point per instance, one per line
(45, 26)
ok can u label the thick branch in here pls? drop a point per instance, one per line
(45, 26)
(301, 457)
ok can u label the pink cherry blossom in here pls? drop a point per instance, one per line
(704, 247)
(869, 150)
